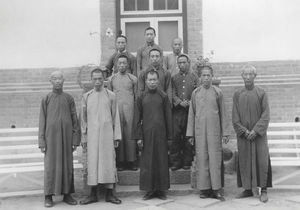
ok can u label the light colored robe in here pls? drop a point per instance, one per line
(170, 63)
(207, 123)
(101, 122)
(125, 87)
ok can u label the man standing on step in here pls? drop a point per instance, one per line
(208, 127)
(170, 60)
(183, 84)
(124, 85)
(153, 129)
(142, 55)
(100, 126)
(58, 138)
(111, 66)
(250, 118)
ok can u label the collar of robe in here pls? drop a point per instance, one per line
(57, 91)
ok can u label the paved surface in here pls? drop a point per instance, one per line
(278, 199)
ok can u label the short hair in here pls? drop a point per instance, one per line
(207, 67)
(151, 71)
(184, 55)
(96, 70)
(155, 49)
(122, 56)
(121, 36)
(249, 66)
(150, 28)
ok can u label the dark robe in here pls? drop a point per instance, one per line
(58, 132)
(153, 124)
(251, 112)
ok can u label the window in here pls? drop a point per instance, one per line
(167, 28)
(167, 17)
(150, 6)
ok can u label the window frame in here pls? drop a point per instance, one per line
(151, 9)
(154, 23)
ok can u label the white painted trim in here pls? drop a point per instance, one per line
(151, 10)
(154, 23)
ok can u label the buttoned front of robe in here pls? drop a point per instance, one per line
(101, 122)
(207, 123)
(153, 125)
(58, 132)
(251, 112)
(124, 86)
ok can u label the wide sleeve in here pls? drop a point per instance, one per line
(116, 119)
(190, 129)
(75, 127)
(262, 124)
(135, 87)
(133, 66)
(83, 117)
(137, 130)
(168, 85)
(176, 99)
(168, 118)
(42, 123)
(110, 64)
(141, 82)
(236, 122)
(139, 65)
(223, 117)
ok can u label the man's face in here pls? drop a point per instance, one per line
(152, 81)
(122, 65)
(183, 64)
(248, 76)
(57, 81)
(97, 80)
(206, 77)
(121, 44)
(154, 57)
(149, 35)
(177, 46)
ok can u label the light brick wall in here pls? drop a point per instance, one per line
(107, 20)
(194, 19)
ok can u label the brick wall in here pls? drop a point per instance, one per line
(194, 19)
(21, 90)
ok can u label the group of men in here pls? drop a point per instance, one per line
(155, 104)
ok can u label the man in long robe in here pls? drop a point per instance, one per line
(58, 138)
(100, 126)
(153, 129)
(208, 127)
(111, 66)
(183, 84)
(142, 55)
(164, 76)
(124, 85)
(250, 118)
(170, 60)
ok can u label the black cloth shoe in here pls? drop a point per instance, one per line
(69, 199)
(161, 195)
(48, 201)
(217, 195)
(149, 195)
(264, 196)
(205, 193)
(245, 194)
(111, 198)
(92, 198)
(175, 168)
(186, 167)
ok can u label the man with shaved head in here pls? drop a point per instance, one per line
(250, 118)
(58, 138)
(170, 60)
